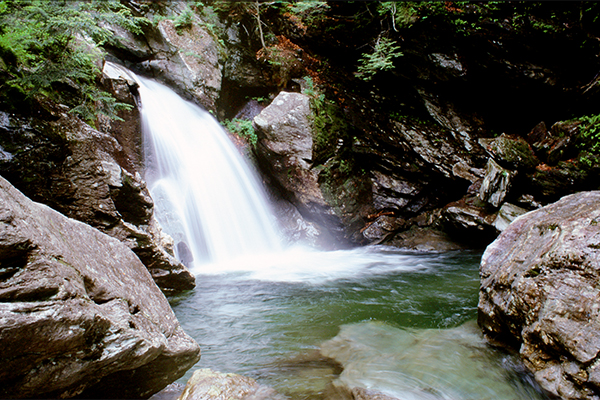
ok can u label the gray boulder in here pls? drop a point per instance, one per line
(79, 313)
(285, 138)
(539, 293)
(496, 183)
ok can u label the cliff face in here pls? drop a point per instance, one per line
(454, 128)
(457, 129)
(467, 120)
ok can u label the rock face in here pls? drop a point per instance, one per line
(86, 174)
(79, 313)
(180, 50)
(539, 292)
(285, 149)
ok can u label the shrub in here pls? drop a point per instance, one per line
(49, 48)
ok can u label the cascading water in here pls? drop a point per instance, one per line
(207, 198)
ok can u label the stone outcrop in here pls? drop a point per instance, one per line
(285, 150)
(539, 293)
(79, 313)
(88, 175)
(180, 50)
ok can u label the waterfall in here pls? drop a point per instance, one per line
(206, 196)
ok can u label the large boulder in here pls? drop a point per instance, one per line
(79, 313)
(285, 152)
(285, 139)
(539, 292)
(88, 175)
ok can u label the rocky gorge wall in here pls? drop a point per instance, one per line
(471, 129)
(466, 131)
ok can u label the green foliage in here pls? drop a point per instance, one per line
(48, 47)
(403, 13)
(589, 138)
(381, 59)
(242, 128)
(330, 126)
(184, 20)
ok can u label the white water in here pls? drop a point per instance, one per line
(205, 195)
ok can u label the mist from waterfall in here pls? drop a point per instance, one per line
(206, 196)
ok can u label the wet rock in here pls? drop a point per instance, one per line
(425, 239)
(468, 220)
(539, 293)
(440, 155)
(206, 384)
(507, 214)
(79, 313)
(184, 55)
(285, 139)
(511, 152)
(559, 143)
(496, 184)
(381, 362)
(390, 192)
(64, 163)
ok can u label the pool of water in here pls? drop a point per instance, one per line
(273, 318)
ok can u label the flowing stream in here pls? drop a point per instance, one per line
(400, 323)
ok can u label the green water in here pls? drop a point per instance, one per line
(269, 323)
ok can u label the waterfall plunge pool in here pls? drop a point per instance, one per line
(400, 322)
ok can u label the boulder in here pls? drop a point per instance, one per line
(507, 214)
(383, 362)
(539, 293)
(469, 221)
(496, 183)
(206, 384)
(285, 138)
(79, 313)
(510, 152)
(87, 175)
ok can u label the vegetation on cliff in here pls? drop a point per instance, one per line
(49, 48)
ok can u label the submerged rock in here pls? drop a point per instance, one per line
(206, 384)
(383, 362)
(79, 313)
(539, 292)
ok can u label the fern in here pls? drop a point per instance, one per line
(46, 46)
(381, 59)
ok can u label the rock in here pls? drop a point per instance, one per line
(496, 184)
(557, 144)
(390, 192)
(539, 292)
(184, 55)
(77, 170)
(439, 155)
(284, 133)
(507, 214)
(206, 384)
(382, 362)
(425, 239)
(511, 152)
(469, 221)
(79, 313)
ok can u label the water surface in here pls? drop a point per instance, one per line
(269, 319)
